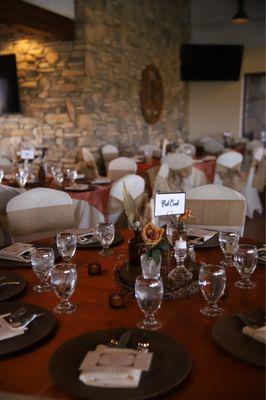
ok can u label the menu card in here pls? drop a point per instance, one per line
(199, 236)
(17, 252)
(85, 235)
(114, 367)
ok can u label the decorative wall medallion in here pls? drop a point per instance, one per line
(151, 94)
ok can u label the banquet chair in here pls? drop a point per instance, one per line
(136, 187)
(6, 165)
(217, 207)
(187, 148)
(254, 178)
(40, 213)
(88, 165)
(149, 149)
(120, 167)
(227, 171)
(180, 167)
(253, 144)
(6, 194)
(213, 147)
(109, 152)
(86, 215)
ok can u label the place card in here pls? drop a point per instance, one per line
(27, 154)
(172, 203)
(6, 330)
(20, 252)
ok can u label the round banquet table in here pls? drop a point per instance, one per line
(215, 374)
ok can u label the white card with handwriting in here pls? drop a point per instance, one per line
(169, 204)
(27, 154)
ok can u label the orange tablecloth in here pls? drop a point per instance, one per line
(215, 374)
(97, 198)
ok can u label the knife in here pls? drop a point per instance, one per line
(123, 340)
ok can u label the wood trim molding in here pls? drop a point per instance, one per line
(31, 17)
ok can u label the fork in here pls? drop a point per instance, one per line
(9, 283)
(24, 323)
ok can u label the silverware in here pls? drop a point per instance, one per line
(16, 314)
(143, 346)
(25, 322)
(9, 283)
(122, 341)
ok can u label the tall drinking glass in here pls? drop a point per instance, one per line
(149, 295)
(66, 244)
(246, 262)
(106, 234)
(42, 261)
(64, 280)
(212, 282)
(229, 244)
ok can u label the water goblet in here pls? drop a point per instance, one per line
(229, 244)
(149, 295)
(212, 282)
(72, 175)
(22, 177)
(106, 234)
(66, 244)
(246, 262)
(1, 175)
(59, 177)
(64, 280)
(42, 261)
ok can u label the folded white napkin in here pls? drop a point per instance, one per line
(114, 367)
(17, 252)
(256, 333)
(101, 180)
(6, 330)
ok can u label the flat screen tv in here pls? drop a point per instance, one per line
(210, 62)
(9, 95)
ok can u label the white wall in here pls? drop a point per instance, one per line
(62, 7)
(216, 107)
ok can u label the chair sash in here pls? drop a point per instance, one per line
(229, 213)
(176, 177)
(116, 206)
(37, 223)
(152, 173)
(88, 168)
(231, 177)
(115, 174)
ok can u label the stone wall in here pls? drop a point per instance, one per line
(86, 92)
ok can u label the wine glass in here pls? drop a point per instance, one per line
(106, 234)
(246, 262)
(22, 177)
(229, 244)
(59, 177)
(212, 282)
(1, 175)
(42, 261)
(66, 244)
(72, 175)
(64, 280)
(149, 295)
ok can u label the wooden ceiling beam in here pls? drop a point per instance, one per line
(26, 15)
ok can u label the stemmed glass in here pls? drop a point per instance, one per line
(246, 262)
(64, 280)
(72, 175)
(212, 282)
(42, 261)
(229, 244)
(66, 244)
(22, 177)
(1, 175)
(106, 234)
(149, 295)
(59, 177)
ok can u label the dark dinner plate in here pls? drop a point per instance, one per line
(170, 365)
(118, 239)
(17, 264)
(8, 291)
(90, 188)
(227, 333)
(38, 329)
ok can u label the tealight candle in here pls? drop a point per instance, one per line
(94, 269)
(116, 300)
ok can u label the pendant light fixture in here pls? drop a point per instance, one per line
(240, 17)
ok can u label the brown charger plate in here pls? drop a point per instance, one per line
(16, 264)
(170, 365)
(227, 333)
(8, 291)
(118, 239)
(38, 330)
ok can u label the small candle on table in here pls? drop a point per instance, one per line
(94, 269)
(116, 300)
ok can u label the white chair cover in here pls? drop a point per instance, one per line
(213, 147)
(217, 207)
(180, 166)
(6, 165)
(86, 215)
(187, 148)
(253, 144)
(87, 155)
(227, 171)
(120, 167)
(135, 185)
(6, 194)
(109, 152)
(39, 213)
